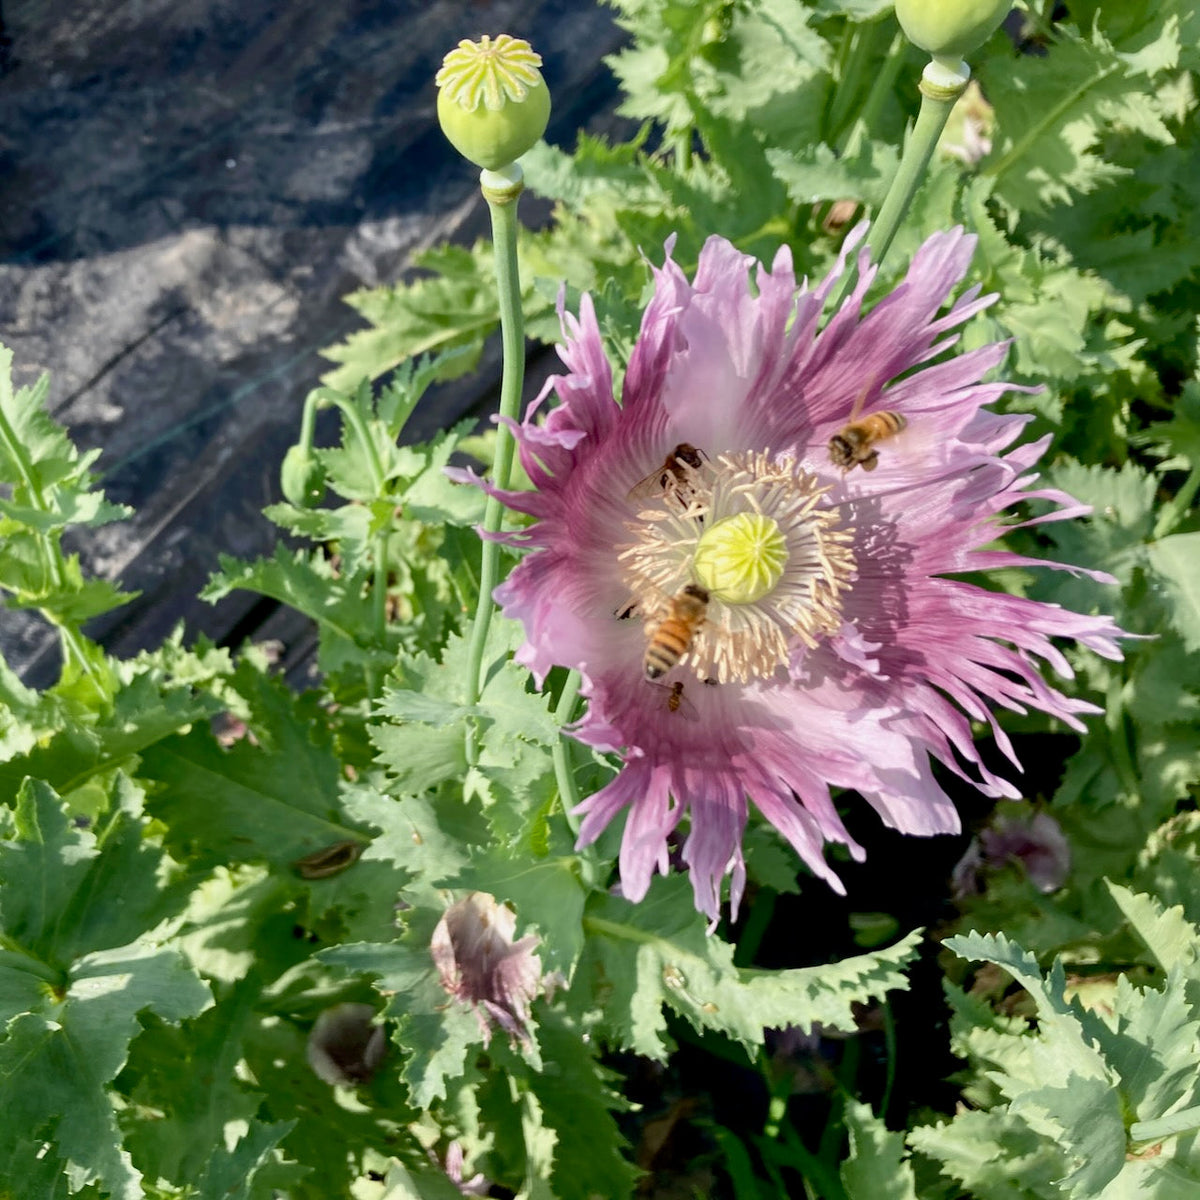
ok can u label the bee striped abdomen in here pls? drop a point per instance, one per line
(670, 643)
(674, 633)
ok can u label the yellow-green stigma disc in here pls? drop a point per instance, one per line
(740, 559)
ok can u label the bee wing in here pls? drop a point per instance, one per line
(653, 486)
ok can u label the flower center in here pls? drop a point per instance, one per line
(740, 559)
(752, 533)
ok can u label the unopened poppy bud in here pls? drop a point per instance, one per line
(302, 478)
(492, 104)
(950, 29)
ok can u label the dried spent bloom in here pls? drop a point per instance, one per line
(481, 965)
(345, 1046)
(1034, 840)
(834, 647)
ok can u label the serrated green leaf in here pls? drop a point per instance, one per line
(58, 1057)
(1084, 1114)
(576, 1099)
(643, 956)
(186, 1076)
(308, 583)
(875, 1169)
(236, 1173)
(455, 309)
(817, 172)
(1049, 119)
(276, 801)
(149, 707)
(969, 1147)
(1153, 1047)
(66, 891)
(1177, 559)
(1171, 939)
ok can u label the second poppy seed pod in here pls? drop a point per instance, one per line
(492, 104)
(950, 28)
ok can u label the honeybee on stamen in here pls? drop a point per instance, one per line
(672, 480)
(672, 636)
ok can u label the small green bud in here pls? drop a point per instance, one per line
(950, 29)
(301, 477)
(492, 103)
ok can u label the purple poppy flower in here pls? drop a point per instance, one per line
(480, 964)
(834, 647)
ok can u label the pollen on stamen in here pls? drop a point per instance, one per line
(747, 640)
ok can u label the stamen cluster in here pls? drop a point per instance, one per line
(746, 635)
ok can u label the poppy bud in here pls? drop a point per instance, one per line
(302, 478)
(492, 103)
(950, 29)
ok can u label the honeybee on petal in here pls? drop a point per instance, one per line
(854, 445)
(671, 637)
(672, 480)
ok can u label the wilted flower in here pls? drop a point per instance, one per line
(481, 965)
(834, 650)
(1034, 840)
(345, 1046)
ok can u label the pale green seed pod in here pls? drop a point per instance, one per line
(493, 103)
(302, 478)
(950, 29)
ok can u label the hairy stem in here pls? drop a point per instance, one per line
(501, 190)
(940, 88)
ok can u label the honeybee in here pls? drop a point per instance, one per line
(673, 478)
(854, 444)
(674, 633)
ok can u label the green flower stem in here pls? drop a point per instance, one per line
(317, 398)
(501, 189)
(568, 793)
(1118, 734)
(881, 86)
(940, 88)
(564, 710)
(941, 85)
(856, 53)
(889, 1041)
(1178, 506)
(322, 398)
